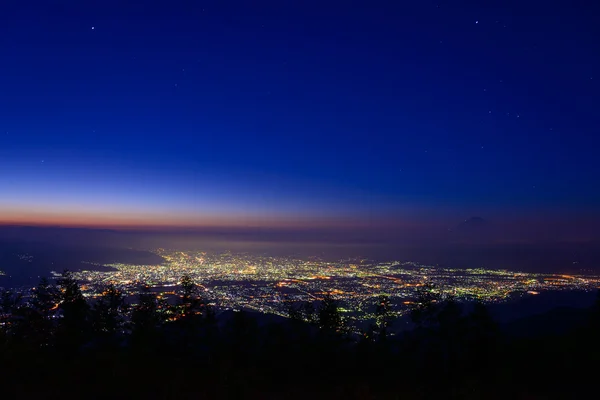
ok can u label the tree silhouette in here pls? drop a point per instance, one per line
(243, 334)
(383, 317)
(147, 317)
(469, 355)
(482, 333)
(189, 302)
(10, 301)
(303, 312)
(448, 313)
(330, 319)
(44, 298)
(191, 315)
(108, 315)
(44, 304)
(74, 313)
(293, 312)
(424, 310)
(11, 317)
(481, 322)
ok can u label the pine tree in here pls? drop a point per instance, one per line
(11, 318)
(383, 317)
(189, 302)
(330, 318)
(108, 314)
(147, 318)
(424, 312)
(293, 312)
(44, 304)
(74, 313)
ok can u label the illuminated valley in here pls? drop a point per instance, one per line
(268, 284)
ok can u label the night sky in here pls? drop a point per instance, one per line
(298, 113)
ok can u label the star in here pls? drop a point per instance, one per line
(476, 22)
(93, 27)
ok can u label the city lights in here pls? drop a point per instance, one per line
(268, 284)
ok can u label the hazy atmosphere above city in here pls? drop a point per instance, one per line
(390, 121)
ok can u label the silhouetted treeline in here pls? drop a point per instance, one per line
(57, 344)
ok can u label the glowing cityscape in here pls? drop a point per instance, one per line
(268, 284)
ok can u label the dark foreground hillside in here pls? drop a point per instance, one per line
(58, 345)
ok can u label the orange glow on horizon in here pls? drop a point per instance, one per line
(106, 219)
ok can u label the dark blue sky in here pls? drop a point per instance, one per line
(214, 112)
